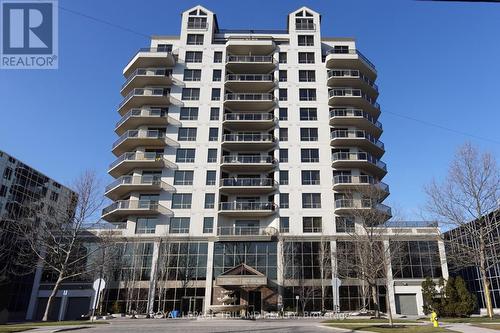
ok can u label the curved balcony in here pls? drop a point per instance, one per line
(342, 117)
(132, 139)
(247, 185)
(348, 182)
(247, 121)
(351, 78)
(250, 64)
(250, 45)
(354, 59)
(138, 97)
(147, 76)
(238, 233)
(248, 141)
(249, 102)
(361, 161)
(249, 82)
(150, 57)
(120, 210)
(349, 205)
(126, 184)
(357, 138)
(355, 98)
(129, 161)
(140, 117)
(238, 163)
(247, 209)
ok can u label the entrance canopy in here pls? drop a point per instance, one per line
(241, 276)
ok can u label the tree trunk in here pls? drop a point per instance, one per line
(484, 276)
(373, 289)
(52, 296)
(388, 306)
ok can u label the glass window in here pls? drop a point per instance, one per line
(283, 94)
(284, 200)
(311, 200)
(217, 57)
(342, 49)
(344, 224)
(282, 57)
(283, 114)
(283, 134)
(214, 113)
(308, 114)
(282, 75)
(283, 155)
(212, 155)
(183, 155)
(307, 94)
(308, 134)
(208, 225)
(181, 200)
(215, 94)
(217, 75)
(213, 134)
(3, 191)
(145, 225)
(307, 76)
(194, 56)
(310, 177)
(197, 23)
(306, 57)
(311, 224)
(194, 39)
(284, 224)
(306, 40)
(190, 94)
(309, 155)
(283, 177)
(188, 113)
(192, 74)
(209, 200)
(7, 173)
(183, 177)
(415, 259)
(187, 134)
(179, 225)
(164, 48)
(211, 176)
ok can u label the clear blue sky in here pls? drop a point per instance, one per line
(437, 62)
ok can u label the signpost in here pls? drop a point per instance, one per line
(98, 286)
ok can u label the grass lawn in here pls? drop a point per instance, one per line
(372, 321)
(395, 328)
(490, 326)
(495, 319)
(27, 326)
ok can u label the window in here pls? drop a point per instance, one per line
(197, 22)
(213, 134)
(209, 200)
(283, 134)
(208, 225)
(282, 57)
(311, 224)
(342, 49)
(307, 94)
(194, 39)
(309, 155)
(344, 224)
(217, 57)
(307, 76)
(179, 225)
(308, 134)
(212, 156)
(181, 201)
(284, 200)
(185, 155)
(282, 76)
(214, 113)
(283, 114)
(283, 156)
(54, 196)
(194, 56)
(186, 134)
(216, 75)
(416, 259)
(306, 57)
(306, 40)
(311, 200)
(145, 225)
(211, 176)
(308, 114)
(188, 114)
(182, 177)
(215, 94)
(284, 177)
(283, 94)
(192, 74)
(164, 48)
(3, 191)
(310, 177)
(7, 174)
(284, 224)
(190, 94)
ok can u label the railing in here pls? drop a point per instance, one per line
(412, 224)
(246, 137)
(249, 77)
(248, 116)
(246, 159)
(356, 134)
(138, 134)
(167, 50)
(147, 72)
(247, 206)
(245, 58)
(305, 26)
(197, 25)
(141, 113)
(135, 180)
(359, 157)
(134, 156)
(348, 92)
(246, 231)
(144, 92)
(352, 51)
(354, 113)
(244, 182)
(351, 73)
(132, 204)
(249, 97)
(347, 179)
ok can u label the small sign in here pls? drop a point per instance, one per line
(99, 285)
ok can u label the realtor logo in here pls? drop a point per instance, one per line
(28, 34)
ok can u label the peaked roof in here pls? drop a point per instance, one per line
(304, 8)
(236, 270)
(198, 7)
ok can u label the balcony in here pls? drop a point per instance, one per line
(150, 57)
(350, 58)
(341, 117)
(348, 182)
(357, 138)
(239, 233)
(146, 96)
(120, 210)
(250, 45)
(359, 160)
(133, 139)
(351, 78)
(247, 209)
(355, 98)
(142, 77)
(237, 163)
(247, 185)
(250, 82)
(248, 141)
(249, 102)
(305, 26)
(197, 25)
(250, 64)
(349, 205)
(247, 121)
(140, 117)
(138, 160)
(126, 184)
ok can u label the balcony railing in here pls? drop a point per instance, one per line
(356, 134)
(135, 180)
(138, 134)
(247, 206)
(136, 156)
(350, 113)
(246, 231)
(359, 157)
(352, 51)
(254, 59)
(132, 204)
(249, 77)
(145, 92)
(141, 113)
(167, 50)
(249, 97)
(248, 137)
(305, 26)
(246, 159)
(362, 203)
(247, 182)
(248, 116)
(347, 92)
(197, 25)
(347, 179)
(351, 73)
(147, 72)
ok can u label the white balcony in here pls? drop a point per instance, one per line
(338, 97)
(352, 78)
(133, 139)
(129, 161)
(250, 82)
(142, 77)
(357, 138)
(247, 209)
(126, 184)
(352, 183)
(150, 57)
(248, 141)
(237, 163)
(250, 64)
(140, 117)
(240, 233)
(120, 210)
(138, 97)
(247, 185)
(350, 58)
(249, 102)
(360, 160)
(238, 121)
(242, 45)
(348, 206)
(345, 117)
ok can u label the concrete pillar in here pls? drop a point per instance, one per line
(30, 313)
(335, 279)
(390, 279)
(64, 305)
(210, 276)
(281, 271)
(444, 261)
(152, 279)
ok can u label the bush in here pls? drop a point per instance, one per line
(450, 299)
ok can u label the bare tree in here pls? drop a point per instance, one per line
(325, 266)
(468, 199)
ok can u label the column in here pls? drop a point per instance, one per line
(152, 279)
(444, 261)
(390, 279)
(209, 281)
(335, 280)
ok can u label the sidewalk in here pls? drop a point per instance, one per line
(466, 328)
(53, 329)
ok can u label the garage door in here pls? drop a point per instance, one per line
(406, 304)
(76, 307)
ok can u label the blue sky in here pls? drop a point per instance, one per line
(437, 62)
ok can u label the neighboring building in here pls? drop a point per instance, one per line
(237, 149)
(19, 185)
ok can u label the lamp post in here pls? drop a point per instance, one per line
(297, 304)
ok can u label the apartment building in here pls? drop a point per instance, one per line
(238, 147)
